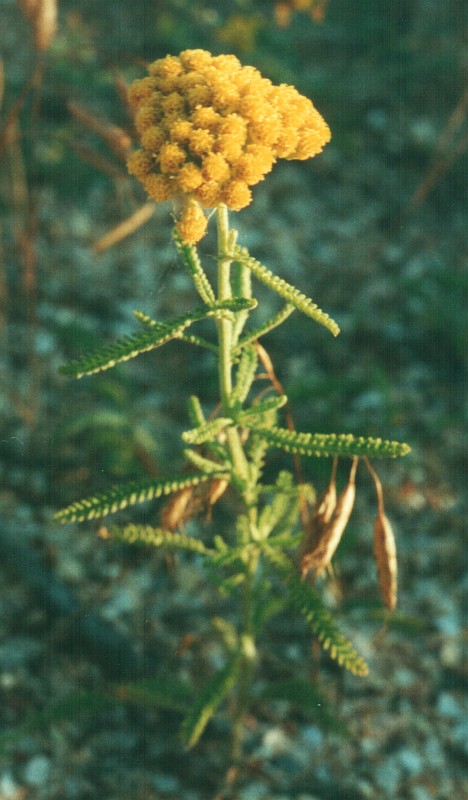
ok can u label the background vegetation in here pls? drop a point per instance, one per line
(375, 231)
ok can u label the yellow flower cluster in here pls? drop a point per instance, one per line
(210, 129)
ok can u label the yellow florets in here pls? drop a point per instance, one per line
(210, 128)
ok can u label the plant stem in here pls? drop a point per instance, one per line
(224, 293)
(225, 329)
(227, 338)
(247, 666)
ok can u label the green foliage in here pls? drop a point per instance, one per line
(245, 374)
(194, 267)
(269, 325)
(230, 446)
(141, 342)
(250, 415)
(119, 497)
(190, 338)
(311, 606)
(206, 432)
(289, 293)
(157, 537)
(281, 513)
(211, 696)
(328, 444)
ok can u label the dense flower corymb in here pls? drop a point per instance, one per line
(210, 128)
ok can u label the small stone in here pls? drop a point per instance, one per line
(36, 771)
(448, 705)
(9, 790)
(165, 783)
(254, 791)
(410, 761)
(388, 776)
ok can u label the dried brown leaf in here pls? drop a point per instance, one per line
(385, 554)
(329, 534)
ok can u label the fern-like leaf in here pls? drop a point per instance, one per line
(311, 606)
(249, 415)
(286, 291)
(205, 465)
(143, 341)
(190, 338)
(269, 325)
(206, 432)
(328, 444)
(245, 374)
(211, 696)
(129, 494)
(196, 415)
(281, 512)
(158, 537)
(193, 265)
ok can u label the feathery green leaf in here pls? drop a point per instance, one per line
(143, 341)
(206, 432)
(205, 465)
(285, 290)
(312, 608)
(245, 374)
(269, 325)
(211, 696)
(194, 267)
(158, 537)
(129, 494)
(190, 338)
(328, 444)
(255, 411)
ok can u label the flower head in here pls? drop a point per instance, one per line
(210, 128)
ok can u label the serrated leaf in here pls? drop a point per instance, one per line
(205, 465)
(249, 415)
(261, 330)
(312, 608)
(245, 374)
(194, 267)
(286, 290)
(129, 494)
(190, 338)
(144, 341)
(159, 537)
(207, 432)
(211, 696)
(329, 444)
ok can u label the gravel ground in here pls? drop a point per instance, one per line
(81, 615)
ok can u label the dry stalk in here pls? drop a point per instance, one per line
(125, 228)
(42, 15)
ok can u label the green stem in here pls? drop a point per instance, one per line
(248, 661)
(224, 293)
(225, 333)
(228, 333)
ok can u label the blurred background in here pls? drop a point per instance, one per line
(375, 231)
